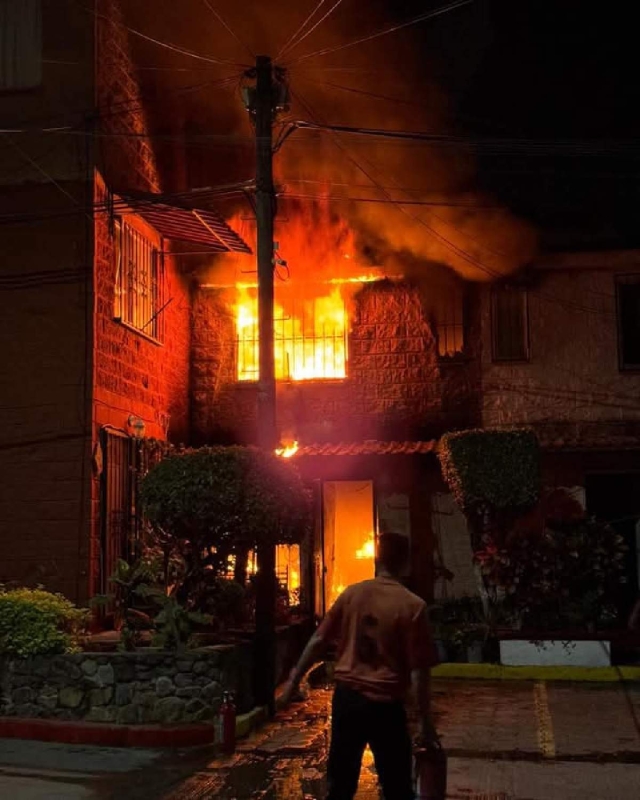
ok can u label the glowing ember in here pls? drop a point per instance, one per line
(368, 549)
(287, 450)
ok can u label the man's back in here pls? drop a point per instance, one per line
(381, 633)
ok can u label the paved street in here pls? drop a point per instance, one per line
(506, 741)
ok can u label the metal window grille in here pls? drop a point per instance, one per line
(450, 326)
(119, 519)
(138, 281)
(306, 345)
(509, 324)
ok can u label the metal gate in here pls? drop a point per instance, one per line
(119, 525)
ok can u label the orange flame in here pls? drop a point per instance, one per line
(287, 450)
(368, 549)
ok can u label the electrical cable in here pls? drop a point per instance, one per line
(224, 24)
(511, 145)
(384, 32)
(319, 22)
(300, 28)
(166, 45)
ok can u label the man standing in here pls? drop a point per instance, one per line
(383, 646)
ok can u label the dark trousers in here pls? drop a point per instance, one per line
(358, 722)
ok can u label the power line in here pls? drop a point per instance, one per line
(300, 28)
(224, 24)
(166, 45)
(319, 22)
(526, 146)
(384, 201)
(384, 32)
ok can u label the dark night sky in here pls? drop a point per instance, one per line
(543, 69)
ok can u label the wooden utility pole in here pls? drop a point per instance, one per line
(266, 585)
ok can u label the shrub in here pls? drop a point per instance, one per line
(36, 622)
(491, 469)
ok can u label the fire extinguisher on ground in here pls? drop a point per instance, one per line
(430, 772)
(226, 725)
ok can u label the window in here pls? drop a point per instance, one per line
(449, 323)
(310, 335)
(138, 281)
(509, 324)
(628, 297)
(20, 44)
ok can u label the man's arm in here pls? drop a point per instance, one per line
(422, 656)
(421, 686)
(313, 652)
(316, 647)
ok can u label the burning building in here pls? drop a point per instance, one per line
(371, 367)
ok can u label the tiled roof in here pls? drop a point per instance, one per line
(369, 447)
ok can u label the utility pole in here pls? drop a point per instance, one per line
(263, 102)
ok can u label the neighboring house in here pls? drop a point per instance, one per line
(96, 326)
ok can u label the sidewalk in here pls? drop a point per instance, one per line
(516, 741)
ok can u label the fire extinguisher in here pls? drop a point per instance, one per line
(226, 725)
(430, 772)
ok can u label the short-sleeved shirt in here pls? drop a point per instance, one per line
(381, 632)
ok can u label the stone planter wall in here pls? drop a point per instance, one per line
(144, 687)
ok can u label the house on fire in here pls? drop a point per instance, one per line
(108, 337)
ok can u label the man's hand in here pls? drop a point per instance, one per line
(291, 692)
(428, 735)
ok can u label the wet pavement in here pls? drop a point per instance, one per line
(506, 741)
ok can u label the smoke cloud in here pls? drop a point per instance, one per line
(384, 83)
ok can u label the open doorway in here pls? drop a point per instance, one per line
(349, 535)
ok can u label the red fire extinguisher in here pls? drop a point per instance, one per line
(226, 725)
(430, 772)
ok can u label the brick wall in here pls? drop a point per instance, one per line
(133, 375)
(571, 387)
(45, 271)
(394, 387)
(125, 157)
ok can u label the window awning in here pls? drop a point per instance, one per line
(184, 223)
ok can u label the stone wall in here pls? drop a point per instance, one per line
(395, 385)
(143, 687)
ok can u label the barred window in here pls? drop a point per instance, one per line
(509, 324)
(310, 336)
(138, 281)
(20, 44)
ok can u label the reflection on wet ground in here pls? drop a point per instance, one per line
(283, 761)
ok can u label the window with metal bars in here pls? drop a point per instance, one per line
(138, 281)
(310, 338)
(509, 323)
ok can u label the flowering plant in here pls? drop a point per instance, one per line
(565, 574)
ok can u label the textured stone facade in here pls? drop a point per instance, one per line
(571, 387)
(395, 385)
(143, 687)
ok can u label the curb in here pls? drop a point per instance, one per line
(104, 735)
(497, 672)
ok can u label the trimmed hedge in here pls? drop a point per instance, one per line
(491, 469)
